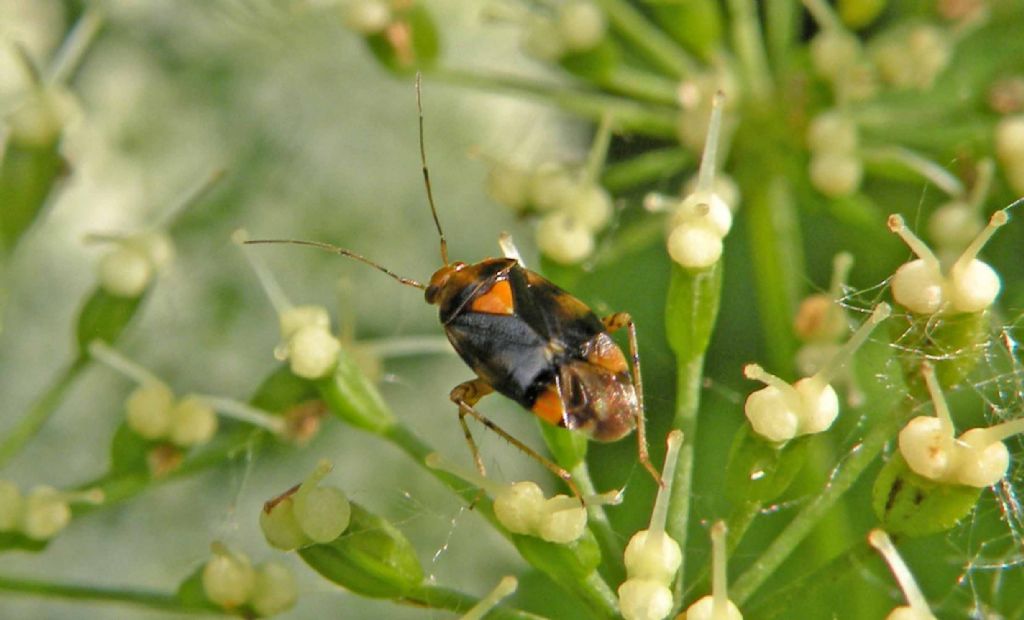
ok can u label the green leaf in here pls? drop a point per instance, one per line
(281, 390)
(104, 317)
(759, 470)
(352, 397)
(128, 451)
(27, 176)
(372, 558)
(568, 564)
(908, 503)
(691, 309)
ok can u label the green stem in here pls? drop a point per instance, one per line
(638, 84)
(434, 597)
(811, 514)
(689, 379)
(740, 521)
(34, 419)
(749, 44)
(780, 31)
(644, 169)
(629, 115)
(141, 598)
(647, 38)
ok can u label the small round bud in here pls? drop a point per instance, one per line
(543, 40)
(833, 51)
(724, 188)
(323, 513)
(772, 414)
(563, 239)
(12, 505)
(1010, 139)
(832, 132)
(559, 524)
(125, 271)
(367, 16)
(148, 410)
(655, 560)
(705, 208)
(274, 589)
(509, 186)
(836, 174)
(819, 318)
(313, 352)
(279, 526)
(917, 286)
(642, 599)
(519, 507)
(590, 205)
(694, 246)
(581, 24)
(982, 462)
(46, 513)
(550, 186)
(228, 578)
(927, 447)
(954, 225)
(296, 317)
(820, 405)
(157, 246)
(905, 612)
(973, 287)
(193, 422)
(703, 608)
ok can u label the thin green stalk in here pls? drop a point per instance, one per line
(689, 380)
(780, 31)
(811, 514)
(639, 84)
(435, 597)
(647, 38)
(646, 168)
(749, 44)
(740, 521)
(629, 115)
(140, 598)
(34, 419)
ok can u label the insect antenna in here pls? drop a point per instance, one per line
(327, 247)
(426, 172)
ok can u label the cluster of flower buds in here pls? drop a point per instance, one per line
(1010, 150)
(838, 56)
(522, 508)
(573, 207)
(307, 343)
(968, 286)
(575, 27)
(918, 608)
(42, 513)
(716, 606)
(977, 458)
(230, 581)
(782, 411)
(700, 221)
(912, 57)
(652, 556)
(821, 323)
(306, 514)
(836, 168)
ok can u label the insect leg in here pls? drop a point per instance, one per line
(613, 323)
(465, 395)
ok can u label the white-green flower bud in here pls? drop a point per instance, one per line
(323, 513)
(519, 507)
(509, 186)
(274, 591)
(703, 609)
(918, 608)
(723, 188)
(46, 513)
(836, 174)
(563, 239)
(228, 578)
(12, 505)
(148, 410)
(279, 526)
(694, 245)
(833, 52)
(193, 422)
(313, 352)
(367, 16)
(543, 40)
(157, 246)
(581, 24)
(643, 599)
(125, 271)
(832, 132)
(954, 225)
(562, 520)
(1010, 139)
(294, 318)
(550, 186)
(656, 560)
(590, 205)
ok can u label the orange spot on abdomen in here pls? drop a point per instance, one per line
(549, 406)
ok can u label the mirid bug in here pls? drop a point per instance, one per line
(529, 340)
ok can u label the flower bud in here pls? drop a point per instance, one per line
(367, 16)
(954, 225)
(323, 513)
(590, 205)
(563, 239)
(519, 507)
(294, 318)
(509, 186)
(836, 174)
(694, 246)
(644, 599)
(581, 24)
(125, 271)
(228, 578)
(543, 40)
(658, 560)
(274, 589)
(918, 608)
(313, 352)
(12, 506)
(46, 513)
(193, 422)
(279, 526)
(1010, 139)
(832, 132)
(717, 605)
(562, 520)
(148, 410)
(833, 52)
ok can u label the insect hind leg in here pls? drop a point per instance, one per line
(466, 395)
(613, 323)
